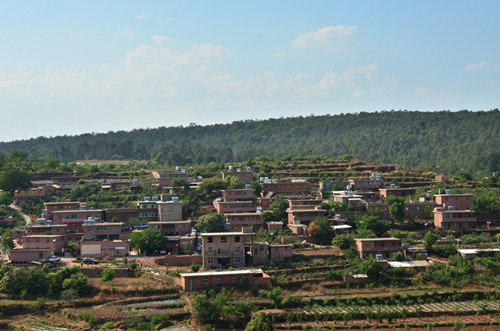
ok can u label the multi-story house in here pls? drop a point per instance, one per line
(227, 249)
(236, 201)
(50, 207)
(93, 230)
(305, 216)
(454, 212)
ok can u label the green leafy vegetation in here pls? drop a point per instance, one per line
(409, 138)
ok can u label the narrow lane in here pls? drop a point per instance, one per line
(20, 212)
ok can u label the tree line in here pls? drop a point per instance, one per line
(449, 141)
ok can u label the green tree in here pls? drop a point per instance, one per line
(181, 187)
(321, 231)
(372, 223)
(275, 296)
(14, 179)
(343, 241)
(204, 309)
(7, 242)
(371, 267)
(6, 198)
(257, 187)
(430, 239)
(261, 322)
(213, 222)
(149, 241)
(396, 207)
(77, 282)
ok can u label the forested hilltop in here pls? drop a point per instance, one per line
(450, 140)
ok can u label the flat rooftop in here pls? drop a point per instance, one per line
(223, 273)
(209, 234)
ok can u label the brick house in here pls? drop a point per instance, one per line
(280, 252)
(27, 255)
(454, 212)
(234, 206)
(287, 188)
(374, 183)
(172, 228)
(239, 220)
(245, 176)
(457, 201)
(454, 220)
(305, 216)
(202, 280)
(104, 248)
(169, 210)
(165, 179)
(93, 230)
(396, 191)
(227, 249)
(54, 243)
(50, 207)
(370, 247)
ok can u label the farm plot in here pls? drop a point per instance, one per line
(428, 308)
(171, 307)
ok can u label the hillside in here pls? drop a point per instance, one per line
(449, 140)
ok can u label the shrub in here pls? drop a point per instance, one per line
(108, 275)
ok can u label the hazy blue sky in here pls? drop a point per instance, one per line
(69, 67)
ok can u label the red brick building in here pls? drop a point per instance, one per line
(202, 280)
(240, 220)
(370, 247)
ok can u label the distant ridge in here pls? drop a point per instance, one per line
(451, 141)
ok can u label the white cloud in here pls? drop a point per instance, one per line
(483, 65)
(159, 39)
(323, 37)
(353, 81)
(281, 54)
(142, 16)
(128, 33)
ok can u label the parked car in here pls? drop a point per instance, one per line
(89, 260)
(54, 258)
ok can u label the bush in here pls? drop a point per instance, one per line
(89, 317)
(108, 275)
(195, 267)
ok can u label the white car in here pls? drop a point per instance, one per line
(54, 258)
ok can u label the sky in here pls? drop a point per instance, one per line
(72, 67)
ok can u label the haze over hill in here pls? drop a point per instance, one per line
(451, 141)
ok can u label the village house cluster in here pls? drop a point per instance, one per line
(103, 232)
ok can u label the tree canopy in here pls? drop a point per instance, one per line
(423, 140)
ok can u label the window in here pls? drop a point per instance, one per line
(210, 250)
(223, 239)
(237, 260)
(262, 248)
(245, 278)
(233, 279)
(237, 239)
(236, 249)
(210, 239)
(191, 281)
(219, 280)
(210, 261)
(205, 280)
